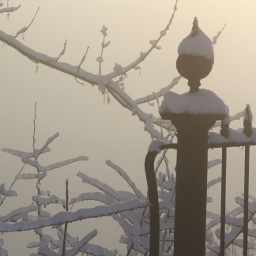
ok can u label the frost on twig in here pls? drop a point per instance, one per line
(215, 38)
(80, 64)
(24, 29)
(61, 53)
(103, 46)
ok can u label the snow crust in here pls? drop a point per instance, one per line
(201, 102)
(234, 136)
(200, 44)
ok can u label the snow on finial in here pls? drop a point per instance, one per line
(248, 114)
(225, 125)
(195, 27)
(248, 121)
(197, 43)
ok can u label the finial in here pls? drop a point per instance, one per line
(196, 57)
(248, 121)
(195, 27)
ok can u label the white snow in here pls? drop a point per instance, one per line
(62, 217)
(155, 146)
(201, 102)
(234, 136)
(199, 44)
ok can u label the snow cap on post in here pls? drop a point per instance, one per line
(196, 57)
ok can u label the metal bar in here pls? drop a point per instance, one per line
(223, 201)
(246, 196)
(153, 199)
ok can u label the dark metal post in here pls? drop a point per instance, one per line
(191, 183)
(223, 201)
(246, 196)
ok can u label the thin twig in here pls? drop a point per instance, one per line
(66, 223)
(12, 184)
(34, 130)
(23, 30)
(80, 64)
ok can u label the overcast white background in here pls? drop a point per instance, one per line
(86, 125)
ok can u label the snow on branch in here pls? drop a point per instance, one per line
(45, 201)
(9, 9)
(92, 249)
(18, 211)
(101, 186)
(62, 52)
(49, 61)
(72, 70)
(49, 140)
(48, 252)
(62, 217)
(5, 192)
(23, 154)
(41, 168)
(144, 55)
(160, 93)
(124, 175)
(96, 196)
(146, 118)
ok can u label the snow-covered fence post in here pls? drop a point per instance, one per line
(193, 114)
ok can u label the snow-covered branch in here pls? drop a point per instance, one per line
(127, 179)
(41, 168)
(62, 217)
(16, 212)
(9, 9)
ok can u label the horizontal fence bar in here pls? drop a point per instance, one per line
(211, 146)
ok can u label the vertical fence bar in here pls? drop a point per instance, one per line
(246, 196)
(223, 200)
(154, 207)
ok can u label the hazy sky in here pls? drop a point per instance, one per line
(86, 125)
